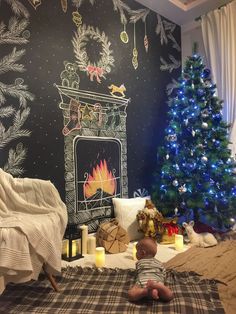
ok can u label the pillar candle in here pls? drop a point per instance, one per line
(100, 257)
(65, 248)
(91, 245)
(84, 229)
(179, 242)
(134, 251)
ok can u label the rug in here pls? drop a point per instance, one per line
(91, 290)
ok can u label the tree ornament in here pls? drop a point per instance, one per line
(167, 156)
(193, 133)
(176, 211)
(206, 73)
(205, 113)
(204, 125)
(175, 182)
(182, 189)
(171, 137)
(204, 159)
(186, 122)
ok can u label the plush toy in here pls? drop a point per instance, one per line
(204, 239)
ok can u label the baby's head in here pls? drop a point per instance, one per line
(146, 247)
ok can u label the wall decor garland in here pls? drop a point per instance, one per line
(103, 66)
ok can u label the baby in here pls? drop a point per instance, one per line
(150, 274)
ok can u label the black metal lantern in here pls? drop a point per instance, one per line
(72, 237)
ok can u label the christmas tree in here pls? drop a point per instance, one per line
(196, 173)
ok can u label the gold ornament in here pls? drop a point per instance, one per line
(124, 36)
(76, 18)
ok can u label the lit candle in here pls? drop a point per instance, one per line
(100, 257)
(74, 248)
(134, 251)
(179, 242)
(65, 248)
(91, 245)
(84, 229)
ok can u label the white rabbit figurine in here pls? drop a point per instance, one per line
(204, 239)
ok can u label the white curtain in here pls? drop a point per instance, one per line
(219, 37)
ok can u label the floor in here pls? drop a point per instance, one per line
(125, 260)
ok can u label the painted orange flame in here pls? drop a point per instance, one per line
(102, 179)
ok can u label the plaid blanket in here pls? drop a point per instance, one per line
(90, 290)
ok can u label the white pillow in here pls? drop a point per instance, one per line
(125, 210)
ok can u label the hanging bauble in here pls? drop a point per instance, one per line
(76, 18)
(193, 133)
(182, 204)
(204, 125)
(124, 37)
(171, 137)
(176, 211)
(182, 189)
(200, 146)
(191, 152)
(145, 42)
(200, 92)
(205, 113)
(206, 73)
(175, 183)
(167, 156)
(186, 122)
(204, 159)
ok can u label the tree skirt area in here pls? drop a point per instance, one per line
(91, 290)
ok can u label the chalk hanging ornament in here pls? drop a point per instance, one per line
(145, 39)
(135, 52)
(64, 5)
(35, 3)
(76, 18)
(124, 36)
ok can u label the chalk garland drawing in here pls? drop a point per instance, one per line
(169, 66)
(12, 118)
(94, 70)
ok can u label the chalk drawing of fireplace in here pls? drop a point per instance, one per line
(97, 172)
(95, 153)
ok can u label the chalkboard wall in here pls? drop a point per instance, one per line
(36, 44)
